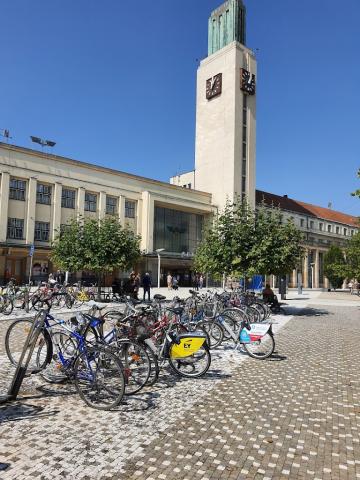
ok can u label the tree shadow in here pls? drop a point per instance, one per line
(310, 312)
(16, 411)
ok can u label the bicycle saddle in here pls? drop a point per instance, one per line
(176, 310)
(159, 297)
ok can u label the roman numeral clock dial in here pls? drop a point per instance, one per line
(214, 86)
(247, 82)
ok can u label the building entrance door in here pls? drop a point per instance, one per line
(15, 268)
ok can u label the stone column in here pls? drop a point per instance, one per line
(305, 271)
(317, 270)
(80, 207)
(56, 210)
(294, 279)
(30, 211)
(122, 209)
(147, 224)
(4, 203)
(326, 282)
(102, 205)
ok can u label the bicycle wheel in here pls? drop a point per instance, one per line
(99, 378)
(6, 306)
(230, 322)
(15, 338)
(214, 332)
(56, 370)
(154, 367)
(262, 348)
(261, 309)
(136, 365)
(194, 366)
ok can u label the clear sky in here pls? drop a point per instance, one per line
(113, 83)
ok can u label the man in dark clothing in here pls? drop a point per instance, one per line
(146, 283)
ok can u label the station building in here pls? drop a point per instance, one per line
(40, 192)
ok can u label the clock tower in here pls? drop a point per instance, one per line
(226, 109)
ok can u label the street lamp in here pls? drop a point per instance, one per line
(42, 141)
(158, 250)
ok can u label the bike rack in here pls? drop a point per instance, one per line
(25, 358)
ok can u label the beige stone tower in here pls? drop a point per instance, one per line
(226, 110)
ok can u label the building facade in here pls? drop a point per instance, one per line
(40, 192)
(321, 228)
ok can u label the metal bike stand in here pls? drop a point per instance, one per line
(25, 358)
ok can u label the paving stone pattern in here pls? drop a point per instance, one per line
(296, 416)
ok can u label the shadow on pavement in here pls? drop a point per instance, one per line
(310, 312)
(22, 411)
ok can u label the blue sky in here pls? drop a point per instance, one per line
(113, 83)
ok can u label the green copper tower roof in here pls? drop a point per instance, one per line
(227, 24)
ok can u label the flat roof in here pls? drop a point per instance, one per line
(31, 151)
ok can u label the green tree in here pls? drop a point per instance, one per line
(353, 257)
(335, 266)
(357, 192)
(278, 247)
(99, 246)
(243, 242)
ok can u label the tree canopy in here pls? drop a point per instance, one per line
(353, 257)
(97, 245)
(244, 242)
(357, 192)
(335, 266)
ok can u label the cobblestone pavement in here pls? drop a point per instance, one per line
(295, 416)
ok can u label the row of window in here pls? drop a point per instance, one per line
(18, 191)
(15, 227)
(43, 195)
(15, 230)
(330, 228)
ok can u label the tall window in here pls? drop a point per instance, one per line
(311, 224)
(17, 189)
(129, 209)
(111, 204)
(301, 222)
(43, 194)
(345, 231)
(90, 202)
(337, 230)
(329, 228)
(42, 231)
(320, 226)
(176, 231)
(68, 198)
(244, 148)
(15, 228)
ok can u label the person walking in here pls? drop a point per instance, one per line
(201, 282)
(146, 283)
(169, 280)
(137, 282)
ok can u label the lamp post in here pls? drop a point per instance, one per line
(158, 255)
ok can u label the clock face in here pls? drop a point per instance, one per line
(214, 86)
(247, 82)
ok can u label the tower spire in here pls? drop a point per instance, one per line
(227, 24)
